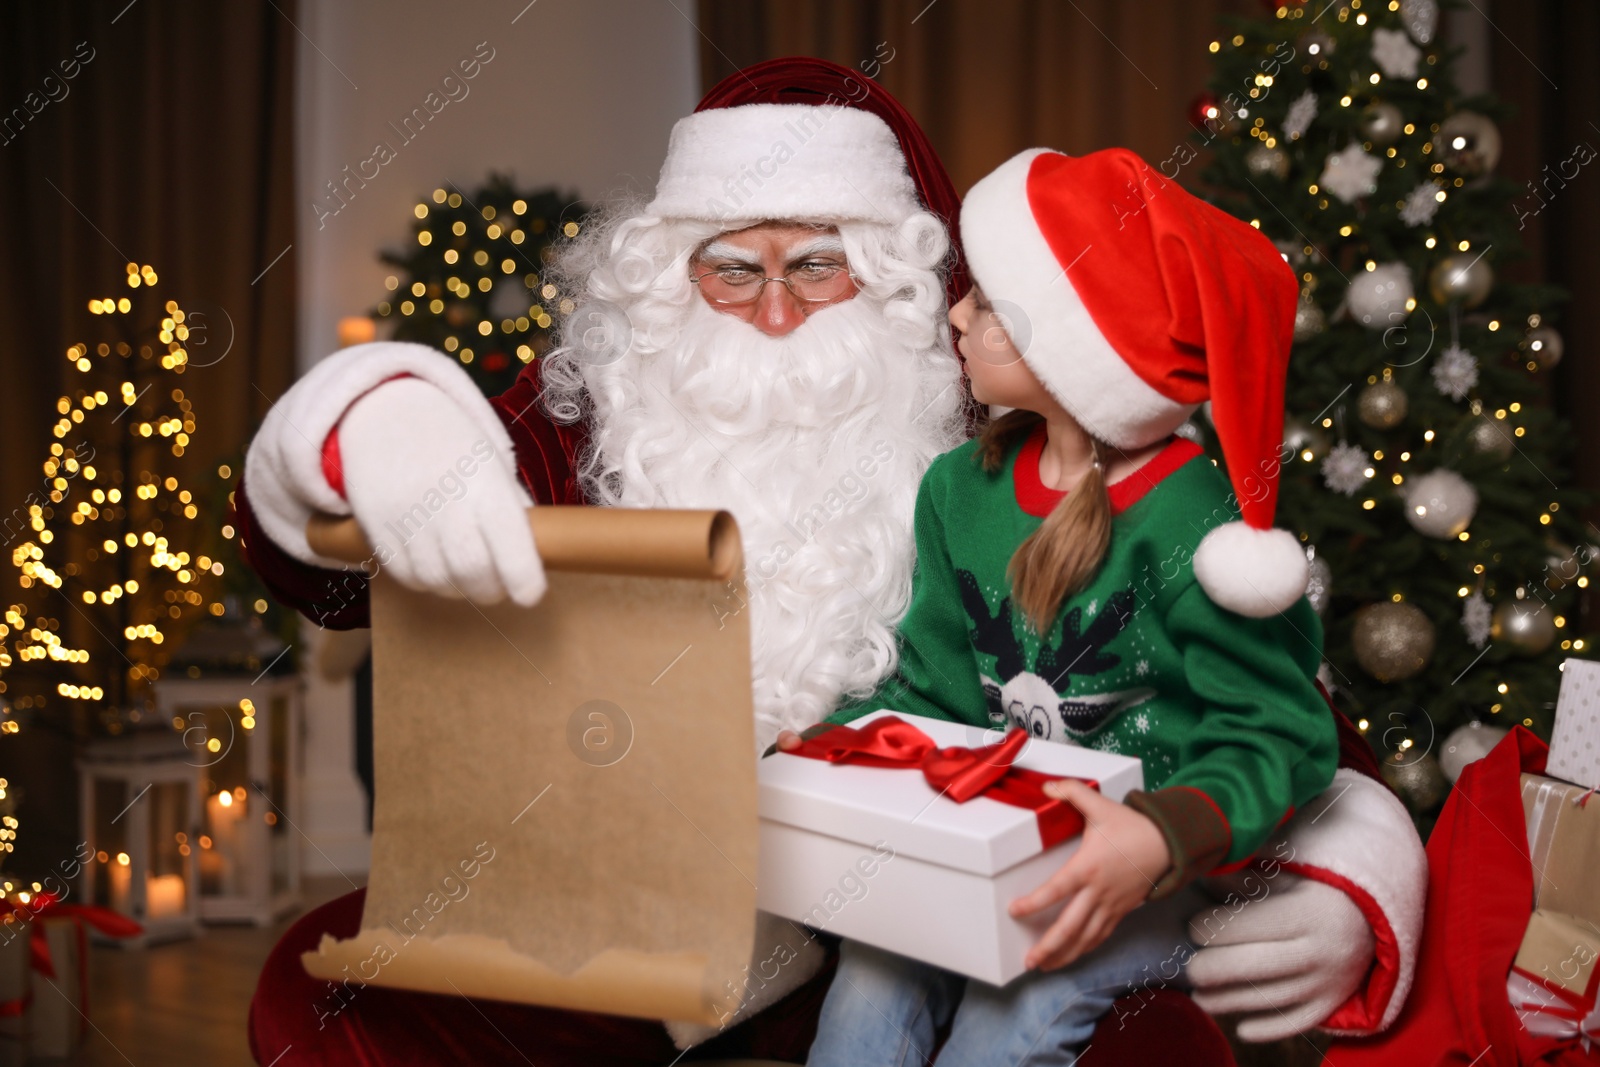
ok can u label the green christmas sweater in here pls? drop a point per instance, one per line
(1222, 710)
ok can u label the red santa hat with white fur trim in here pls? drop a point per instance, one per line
(1134, 301)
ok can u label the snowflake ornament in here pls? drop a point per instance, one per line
(1345, 469)
(1141, 722)
(1394, 53)
(1301, 112)
(1455, 372)
(1351, 173)
(1420, 205)
(1476, 617)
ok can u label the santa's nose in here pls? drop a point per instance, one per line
(777, 311)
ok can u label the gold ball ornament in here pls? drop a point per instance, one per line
(1393, 641)
(1467, 143)
(1543, 345)
(1562, 564)
(1309, 319)
(1526, 626)
(1416, 778)
(1264, 162)
(1383, 405)
(1491, 437)
(1382, 123)
(1463, 276)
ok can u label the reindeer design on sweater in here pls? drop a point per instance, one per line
(1031, 697)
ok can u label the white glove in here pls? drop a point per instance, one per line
(437, 496)
(1292, 952)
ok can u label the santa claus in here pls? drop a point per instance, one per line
(766, 335)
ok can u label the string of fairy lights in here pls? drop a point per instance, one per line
(472, 283)
(111, 534)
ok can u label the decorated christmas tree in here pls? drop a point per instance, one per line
(111, 557)
(1422, 466)
(471, 282)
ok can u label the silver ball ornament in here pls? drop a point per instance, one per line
(1467, 744)
(1467, 143)
(1526, 626)
(1301, 436)
(1382, 123)
(1380, 298)
(1382, 405)
(1462, 276)
(1440, 503)
(1543, 345)
(1392, 641)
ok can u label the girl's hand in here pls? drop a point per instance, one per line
(788, 740)
(1115, 868)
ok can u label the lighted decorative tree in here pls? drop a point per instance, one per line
(1422, 467)
(111, 561)
(471, 283)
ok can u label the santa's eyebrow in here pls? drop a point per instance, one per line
(826, 244)
(729, 250)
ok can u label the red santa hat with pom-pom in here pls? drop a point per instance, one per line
(1134, 301)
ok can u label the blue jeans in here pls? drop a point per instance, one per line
(884, 1010)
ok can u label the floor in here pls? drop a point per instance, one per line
(184, 1002)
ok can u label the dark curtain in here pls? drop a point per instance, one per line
(152, 132)
(988, 78)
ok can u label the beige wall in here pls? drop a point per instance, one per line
(580, 94)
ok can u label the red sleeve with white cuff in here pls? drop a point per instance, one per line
(292, 470)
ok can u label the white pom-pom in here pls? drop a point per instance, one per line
(1254, 572)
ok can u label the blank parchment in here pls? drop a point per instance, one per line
(565, 807)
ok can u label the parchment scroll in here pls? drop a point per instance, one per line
(565, 804)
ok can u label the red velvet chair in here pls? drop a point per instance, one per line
(297, 1020)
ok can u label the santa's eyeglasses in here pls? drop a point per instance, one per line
(811, 283)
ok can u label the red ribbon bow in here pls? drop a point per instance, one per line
(108, 922)
(956, 772)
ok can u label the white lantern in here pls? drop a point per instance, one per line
(243, 735)
(140, 807)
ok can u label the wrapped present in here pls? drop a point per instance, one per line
(1575, 740)
(915, 834)
(58, 1014)
(54, 1003)
(16, 953)
(1554, 978)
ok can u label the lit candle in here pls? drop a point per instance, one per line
(356, 330)
(121, 877)
(224, 812)
(164, 896)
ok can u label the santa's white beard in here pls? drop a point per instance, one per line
(816, 442)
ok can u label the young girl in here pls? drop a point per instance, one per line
(1085, 575)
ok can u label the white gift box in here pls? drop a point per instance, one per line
(1575, 740)
(878, 855)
